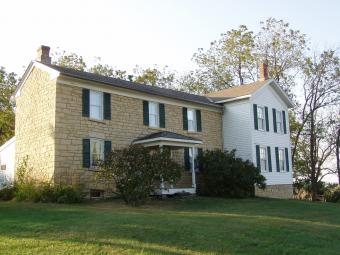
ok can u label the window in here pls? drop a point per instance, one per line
(260, 117)
(281, 160)
(263, 159)
(278, 121)
(96, 105)
(97, 151)
(193, 152)
(153, 114)
(192, 120)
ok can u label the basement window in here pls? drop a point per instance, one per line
(96, 193)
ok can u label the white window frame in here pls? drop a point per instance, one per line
(101, 155)
(100, 106)
(264, 160)
(279, 122)
(154, 115)
(193, 159)
(261, 120)
(192, 123)
(282, 161)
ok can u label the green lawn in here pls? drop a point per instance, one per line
(189, 226)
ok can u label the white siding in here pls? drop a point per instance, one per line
(239, 132)
(268, 97)
(7, 156)
(237, 128)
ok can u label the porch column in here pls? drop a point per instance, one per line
(193, 172)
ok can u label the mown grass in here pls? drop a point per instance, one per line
(173, 226)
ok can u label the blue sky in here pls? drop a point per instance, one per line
(167, 32)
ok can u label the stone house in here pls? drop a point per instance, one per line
(66, 120)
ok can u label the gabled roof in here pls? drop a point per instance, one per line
(238, 91)
(246, 91)
(170, 93)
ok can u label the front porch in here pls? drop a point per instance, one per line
(184, 151)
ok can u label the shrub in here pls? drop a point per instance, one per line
(224, 175)
(68, 195)
(137, 169)
(332, 194)
(27, 188)
(7, 193)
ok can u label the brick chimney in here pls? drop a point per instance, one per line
(263, 71)
(43, 55)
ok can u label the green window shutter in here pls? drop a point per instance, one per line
(186, 158)
(277, 159)
(107, 106)
(86, 153)
(161, 115)
(269, 159)
(267, 118)
(146, 113)
(86, 103)
(284, 122)
(198, 121)
(258, 164)
(274, 120)
(287, 159)
(199, 153)
(256, 125)
(107, 149)
(185, 118)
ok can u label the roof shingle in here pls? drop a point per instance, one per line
(239, 91)
(170, 93)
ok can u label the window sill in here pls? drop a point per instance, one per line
(193, 132)
(156, 128)
(95, 120)
(93, 169)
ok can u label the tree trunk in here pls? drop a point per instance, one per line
(337, 154)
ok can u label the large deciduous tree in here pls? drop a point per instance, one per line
(7, 86)
(284, 50)
(229, 61)
(314, 136)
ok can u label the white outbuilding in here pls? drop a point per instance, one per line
(7, 161)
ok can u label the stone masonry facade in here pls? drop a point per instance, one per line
(35, 124)
(126, 124)
(284, 191)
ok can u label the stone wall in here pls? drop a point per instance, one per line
(126, 124)
(35, 124)
(284, 191)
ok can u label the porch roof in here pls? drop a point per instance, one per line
(167, 138)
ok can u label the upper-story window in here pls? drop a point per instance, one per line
(192, 120)
(279, 122)
(153, 114)
(281, 160)
(260, 118)
(263, 159)
(96, 105)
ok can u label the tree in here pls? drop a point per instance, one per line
(136, 170)
(7, 87)
(314, 140)
(155, 76)
(283, 48)
(70, 60)
(107, 70)
(234, 59)
(229, 61)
